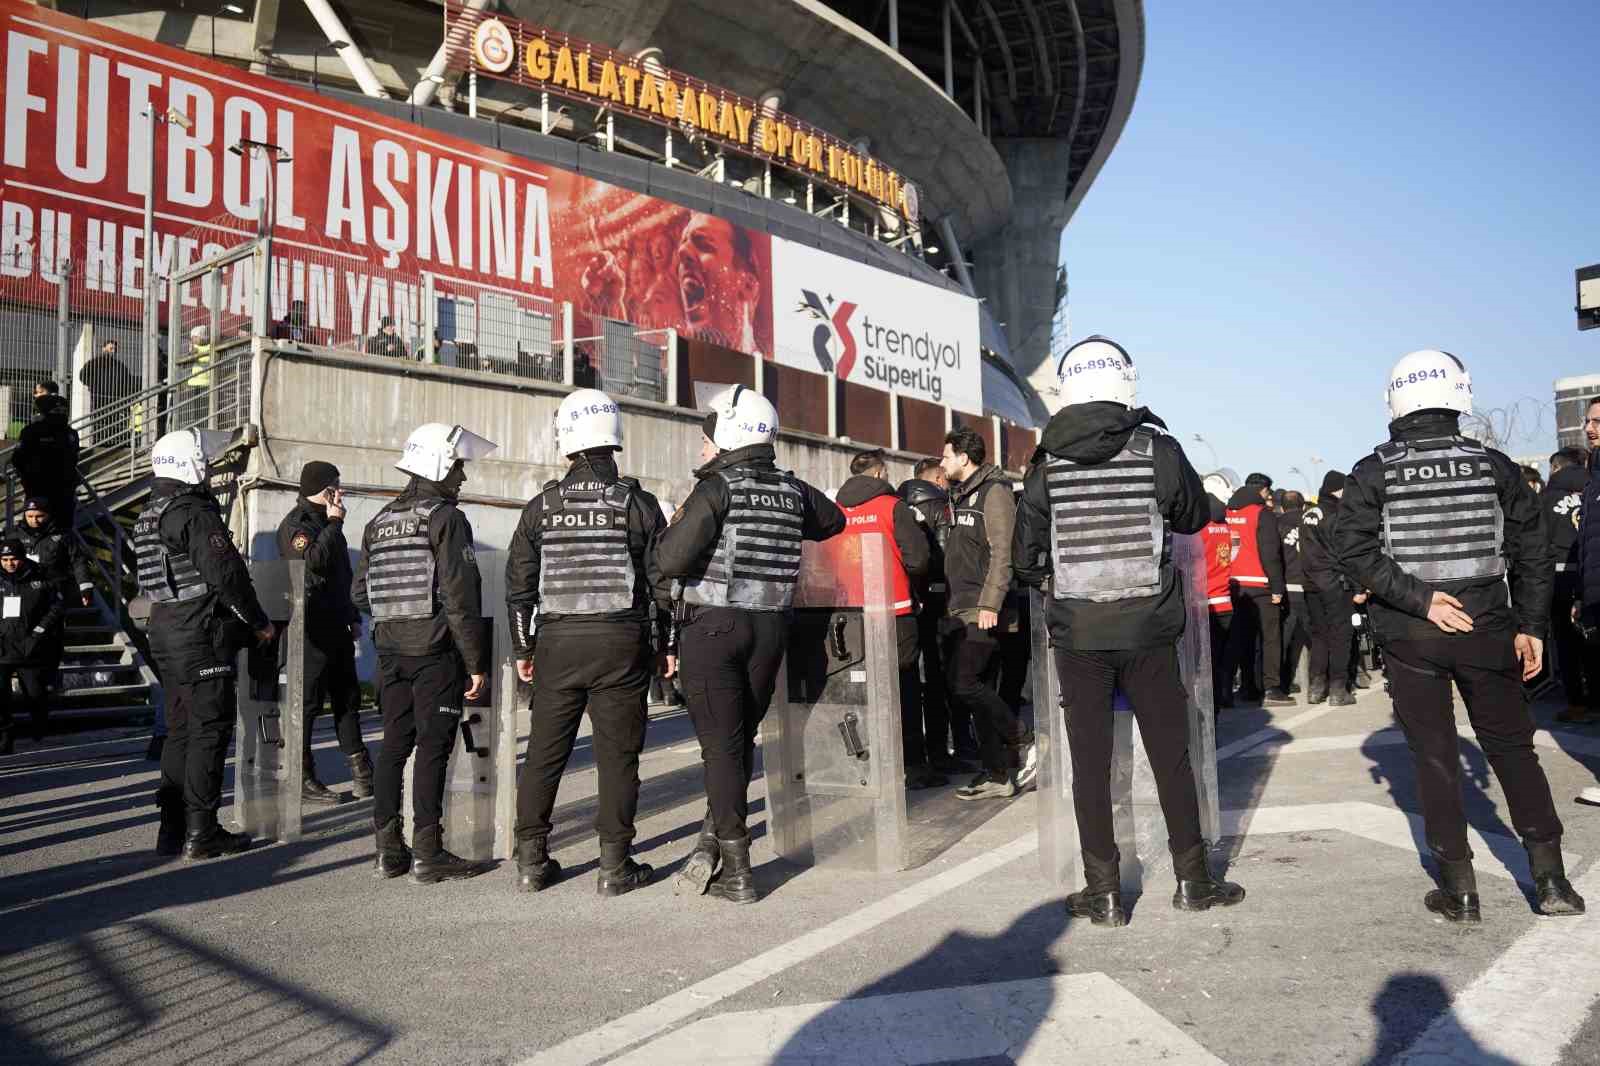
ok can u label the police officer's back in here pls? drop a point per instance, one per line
(46, 458)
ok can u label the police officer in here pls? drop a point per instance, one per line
(203, 609)
(46, 457)
(1429, 523)
(952, 748)
(418, 579)
(1096, 521)
(1329, 600)
(33, 610)
(1296, 626)
(734, 549)
(314, 531)
(1562, 501)
(587, 614)
(53, 547)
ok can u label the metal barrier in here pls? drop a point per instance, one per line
(269, 766)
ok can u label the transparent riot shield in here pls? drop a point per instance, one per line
(1140, 827)
(482, 767)
(831, 745)
(270, 728)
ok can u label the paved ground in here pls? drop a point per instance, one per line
(292, 953)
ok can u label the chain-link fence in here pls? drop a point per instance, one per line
(501, 331)
(625, 361)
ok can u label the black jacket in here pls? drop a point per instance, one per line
(458, 620)
(1399, 606)
(200, 638)
(692, 535)
(1294, 572)
(59, 556)
(1096, 433)
(26, 624)
(652, 596)
(1317, 554)
(1561, 500)
(1269, 540)
(308, 533)
(930, 506)
(46, 458)
(908, 535)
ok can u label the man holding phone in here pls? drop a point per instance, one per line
(314, 531)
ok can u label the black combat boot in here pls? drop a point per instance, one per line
(701, 865)
(431, 863)
(1555, 893)
(208, 840)
(394, 858)
(736, 884)
(1198, 889)
(618, 873)
(1100, 901)
(314, 791)
(536, 870)
(1456, 898)
(169, 837)
(361, 775)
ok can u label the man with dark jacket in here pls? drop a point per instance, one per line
(952, 746)
(33, 610)
(46, 458)
(1096, 520)
(110, 383)
(314, 531)
(1296, 624)
(56, 550)
(1431, 523)
(870, 505)
(1329, 602)
(203, 610)
(733, 550)
(978, 567)
(588, 614)
(1255, 644)
(418, 579)
(1562, 502)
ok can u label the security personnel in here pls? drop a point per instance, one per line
(1430, 523)
(1296, 626)
(56, 551)
(1258, 594)
(194, 377)
(1562, 501)
(1329, 602)
(314, 531)
(33, 610)
(1218, 542)
(870, 505)
(46, 456)
(586, 614)
(952, 748)
(734, 550)
(203, 609)
(1096, 521)
(418, 579)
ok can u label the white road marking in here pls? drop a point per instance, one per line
(1271, 747)
(1276, 731)
(1039, 1022)
(1529, 1003)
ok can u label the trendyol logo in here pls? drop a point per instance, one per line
(831, 328)
(890, 358)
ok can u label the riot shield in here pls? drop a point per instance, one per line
(831, 745)
(1141, 829)
(482, 767)
(269, 765)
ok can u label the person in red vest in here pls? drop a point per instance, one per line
(1255, 642)
(1219, 544)
(871, 505)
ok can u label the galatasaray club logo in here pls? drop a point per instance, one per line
(831, 342)
(492, 47)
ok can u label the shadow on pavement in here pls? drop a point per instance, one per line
(1405, 1007)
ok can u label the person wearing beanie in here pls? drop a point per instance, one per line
(1328, 598)
(46, 457)
(33, 610)
(314, 531)
(1255, 640)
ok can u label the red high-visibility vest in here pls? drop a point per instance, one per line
(1247, 568)
(1217, 542)
(877, 516)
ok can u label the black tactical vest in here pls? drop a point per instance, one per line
(164, 577)
(1108, 540)
(757, 558)
(585, 563)
(1442, 519)
(400, 563)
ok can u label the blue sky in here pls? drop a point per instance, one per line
(1305, 192)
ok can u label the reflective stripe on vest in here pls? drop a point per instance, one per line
(757, 558)
(1107, 537)
(164, 576)
(400, 563)
(585, 564)
(877, 516)
(1441, 510)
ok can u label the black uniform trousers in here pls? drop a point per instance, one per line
(1332, 639)
(34, 682)
(603, 668)
(948, 723)
(913, 741)
(972, 661)
(1296, 634)
(421, 699)
(1483, 664)
(729, 659)
(1255, 644)
(1577, 661)
(330, 675)
(200, 717)
(1150, 679)
(1221, 676)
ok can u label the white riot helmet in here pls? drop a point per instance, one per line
(1427, 379)
(1097, 368)
(433, 448)
(1217, 484)
(186, 454)
(587, 419)
(743, 418)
